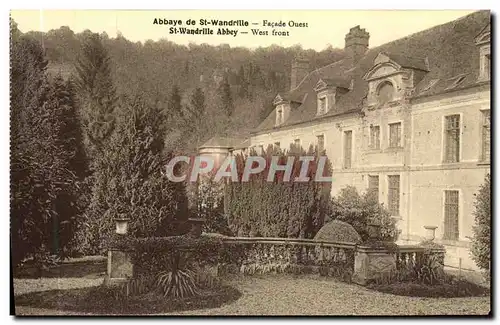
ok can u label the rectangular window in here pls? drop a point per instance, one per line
(452, 140)
(487, 66)
(321, 143)
(395, 135)
(486, 137)
(279, 116)
(393, 197)
(451, 215)
(321, 105)
(347, 149)
(375, 137)
(373, 185)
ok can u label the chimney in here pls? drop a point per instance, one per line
(356, 43)
(300, 68)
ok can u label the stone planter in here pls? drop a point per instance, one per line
(120, 267)
(430, 232)
(372, 263)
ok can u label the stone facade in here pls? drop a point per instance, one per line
(411, 119)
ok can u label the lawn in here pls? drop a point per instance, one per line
(290, 295)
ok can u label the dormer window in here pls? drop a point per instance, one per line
(483, 43)
(485, 64)
(283, 106)
(327, 91)
(393, 77)
(322, 105)
(385, 92)
(455, 82)
(279, 115)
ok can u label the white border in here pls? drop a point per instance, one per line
(193, 4)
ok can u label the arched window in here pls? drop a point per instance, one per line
(385, 92)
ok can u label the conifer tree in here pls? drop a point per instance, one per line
(132, 181)
(174, 103)
(97, 93)
(45, 157)
(225, 98)
(195, 111)
(243, 83)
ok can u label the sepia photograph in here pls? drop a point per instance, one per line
(250, 162)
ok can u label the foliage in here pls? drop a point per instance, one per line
(360, 210)
(131, 181)
(279, 208)
(47, 159)
(173, 266)
(177, 283)
(207, 197)
(481, 241)
(226, 102)
(338, 231)
(151, 254)
(154, 67)
(97, 94)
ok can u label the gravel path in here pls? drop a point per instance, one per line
(318, 296)
(286, 295)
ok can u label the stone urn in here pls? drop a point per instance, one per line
(121, 225)
(430, 232)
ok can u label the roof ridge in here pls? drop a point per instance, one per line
(426, 30)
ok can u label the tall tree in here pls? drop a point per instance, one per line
(70, 141)
(132, 180)
(174, 103)
(225, 98)
(243, 83)
(481, 241)
(97, 93)
(44, 146)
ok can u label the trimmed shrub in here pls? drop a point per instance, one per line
(481, 241)
(279, 208)
(359, 210)
(337, 230)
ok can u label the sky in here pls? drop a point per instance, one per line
(326, 27)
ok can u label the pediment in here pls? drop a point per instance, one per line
(484, 36)
(278, 99)
(381, 70)
(320, 85)
(382, 57)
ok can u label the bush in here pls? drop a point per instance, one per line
(170, 266)
(338, 231)
(360, 210)
(481, 241)
(279, 208)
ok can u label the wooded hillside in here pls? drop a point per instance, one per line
(154, 68)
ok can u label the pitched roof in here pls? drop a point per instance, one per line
(446, 51)
(222, 142)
